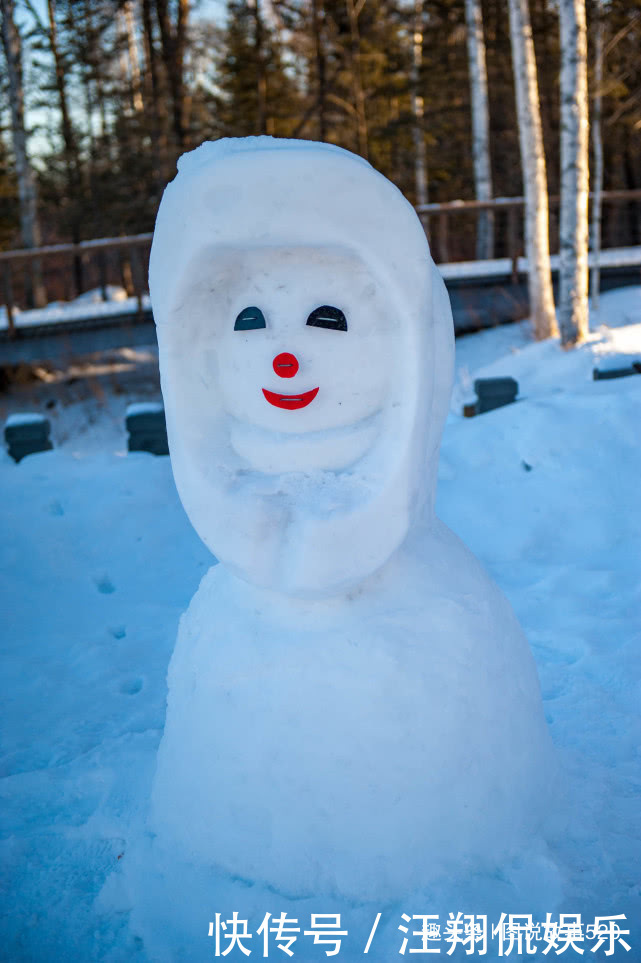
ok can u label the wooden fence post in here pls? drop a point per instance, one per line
(8, 299)
(512, 242)
(102, 271)
(442, 237)
(134, 255)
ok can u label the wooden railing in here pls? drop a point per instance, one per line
(133, 251)
(510, 239)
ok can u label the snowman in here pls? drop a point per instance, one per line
(352, 706)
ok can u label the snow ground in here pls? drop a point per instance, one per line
(610, 257)
(87, 305)
(86, 401)
(99, 561)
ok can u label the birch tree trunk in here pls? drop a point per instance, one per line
(418, 107)
(132, 51)
(29, 226)
(534, 174)
(573, 242)
(597, 148)
(480, 126)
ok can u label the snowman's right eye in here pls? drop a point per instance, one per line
(250, 318)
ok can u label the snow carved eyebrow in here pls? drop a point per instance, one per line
(328, 317)
(249, 319)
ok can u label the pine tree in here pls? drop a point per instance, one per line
(257, 94)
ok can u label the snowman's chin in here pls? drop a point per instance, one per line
(274, 452)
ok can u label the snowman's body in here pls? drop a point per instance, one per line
(352, 705)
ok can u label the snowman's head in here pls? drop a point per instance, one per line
(304, 347)
(305, 376)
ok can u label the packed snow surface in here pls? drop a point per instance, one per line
(145, 408)
(24, 418)
(99, 561)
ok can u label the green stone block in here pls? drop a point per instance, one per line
(494, 393)
(20, 449)
(605, 374)
(155, 444)
(146, 421)
(27, 433)
(147, 428)
(20, 428)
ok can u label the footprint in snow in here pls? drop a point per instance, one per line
(131, 686)
(105, 585)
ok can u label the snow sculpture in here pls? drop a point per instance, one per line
(352, 705)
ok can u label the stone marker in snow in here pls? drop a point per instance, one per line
(145, 423)
(352, 705)
(494, 393)
(27, 433)
(619, 366)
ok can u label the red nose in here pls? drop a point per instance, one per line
(285, 365)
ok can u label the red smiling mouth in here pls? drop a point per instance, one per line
(290, 402)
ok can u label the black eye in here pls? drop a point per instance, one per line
(250, 318)
(328, 317)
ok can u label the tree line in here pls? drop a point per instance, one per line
(448, 98)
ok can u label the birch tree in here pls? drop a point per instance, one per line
(573, 241)
(534, 173)
(27, 192)
(132, 52)
(597, 149)
(480, 126)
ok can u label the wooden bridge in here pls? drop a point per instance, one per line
(483, 293)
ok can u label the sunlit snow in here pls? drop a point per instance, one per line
(99, 561)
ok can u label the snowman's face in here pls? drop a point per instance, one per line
(306, 353)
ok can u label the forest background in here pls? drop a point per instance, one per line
(113, 91)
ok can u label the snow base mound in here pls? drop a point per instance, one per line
(359, 747)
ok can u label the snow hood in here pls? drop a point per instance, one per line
(304, 442)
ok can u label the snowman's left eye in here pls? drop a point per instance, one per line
(250, 318)
(328, 317)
